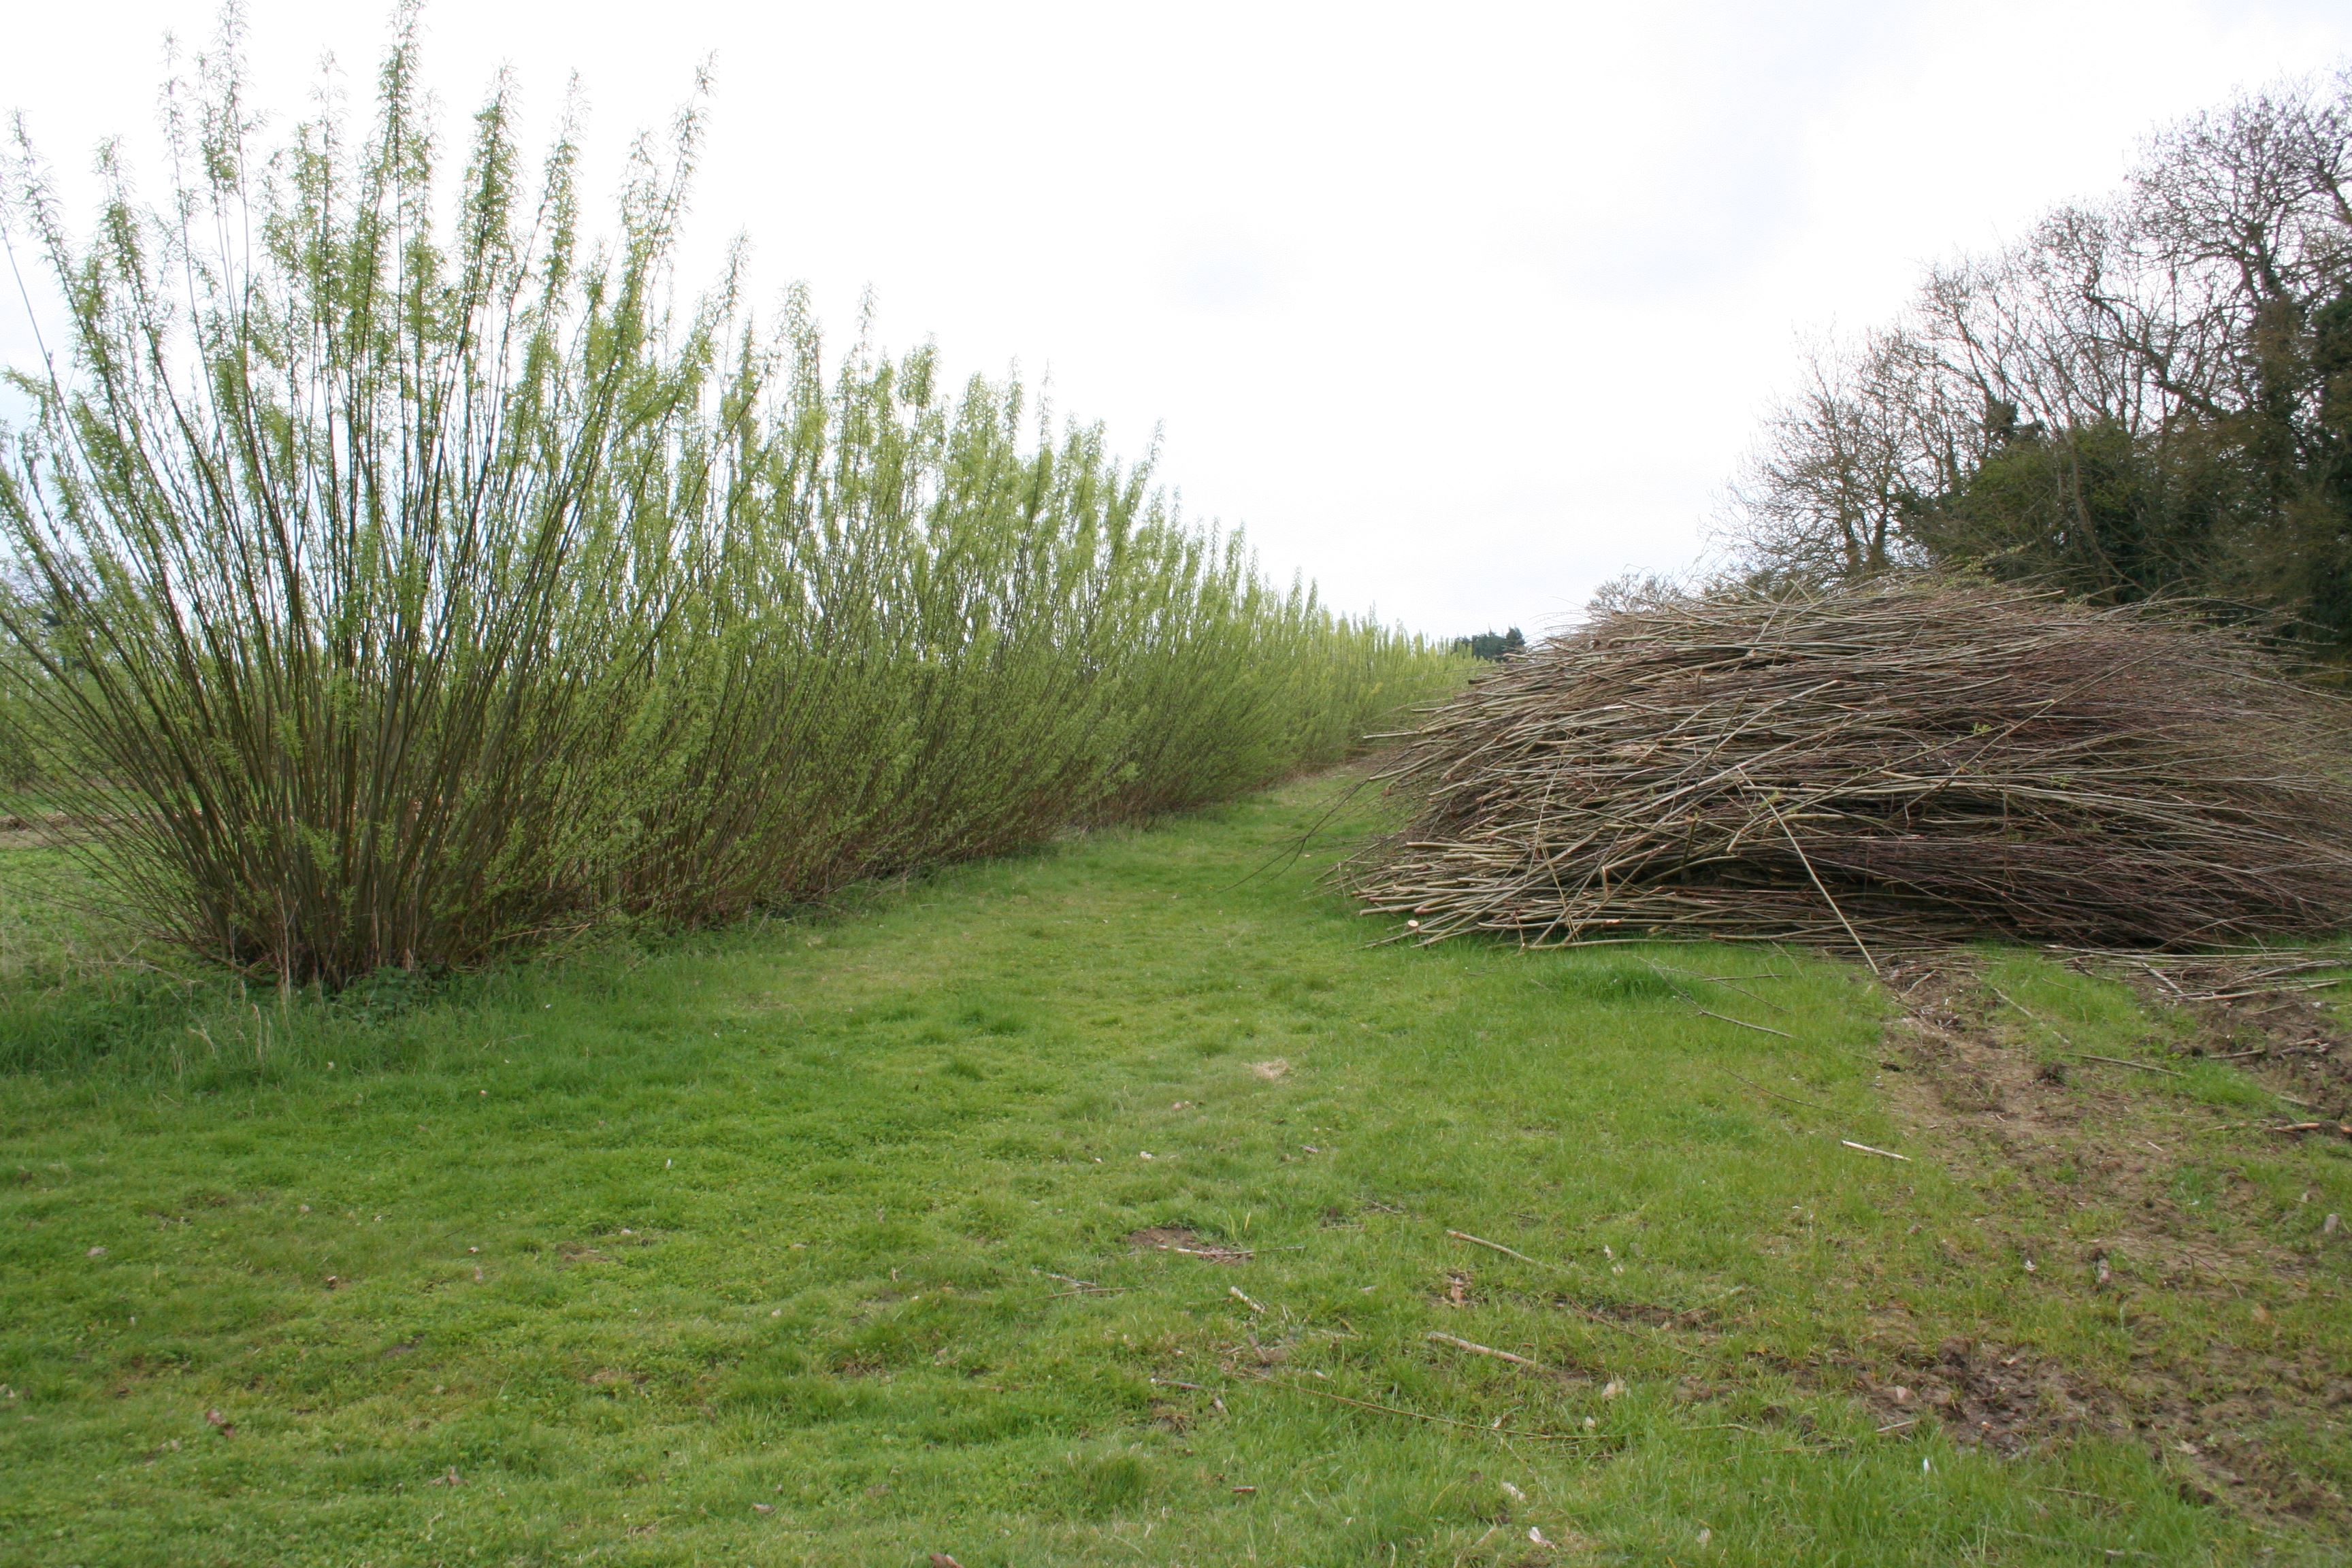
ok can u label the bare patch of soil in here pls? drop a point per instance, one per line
(2002, 1400)
(1644, 1314)
(2080, 1134)
(1189, 1243)
(2282, 1039)
(2072, 1133)
(46, 829)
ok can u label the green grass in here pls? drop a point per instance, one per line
(759, 1248)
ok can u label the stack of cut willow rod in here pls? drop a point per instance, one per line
(1895, 763)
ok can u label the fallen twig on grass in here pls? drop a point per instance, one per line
(1476, 1349)
(2226, 977)
(2278, 990)
(1759, 1029)
(1498, 1247)
(1174, 1240)
(1079, 1287)
(1236, 1291)
(2124, 1062)
(1723, 980)
(1775, 1094)
(2032, 1015)
(1882, 1153)
(2297, 1128)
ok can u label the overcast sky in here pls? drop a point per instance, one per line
(1460, 309)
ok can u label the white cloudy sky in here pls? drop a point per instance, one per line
(1460, 309)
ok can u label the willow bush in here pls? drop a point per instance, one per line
(397, 577)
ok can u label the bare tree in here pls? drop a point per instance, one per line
(2249, 205)
(2142, 394)
(1824, 490)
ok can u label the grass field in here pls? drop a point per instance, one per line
(1097, 1206)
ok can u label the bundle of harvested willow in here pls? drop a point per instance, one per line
(1890, 764)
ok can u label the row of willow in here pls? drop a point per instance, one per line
(394, 592)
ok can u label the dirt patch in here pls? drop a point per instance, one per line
(48, 829)
(2281, 1038)
(2002, 1400)
(1986, 1083)
(1979, 1079)
(1953, 1067)
(2205, 1424)
(1191, 1244)
(1642, 1314)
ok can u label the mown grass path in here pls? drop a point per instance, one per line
(818, 1242)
